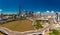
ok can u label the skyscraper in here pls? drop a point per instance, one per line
(19, 10)
(57, 17)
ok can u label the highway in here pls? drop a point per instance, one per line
(9, 32)
(44, 29)
(5, 20)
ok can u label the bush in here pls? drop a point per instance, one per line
(54, 32)
(38, 25)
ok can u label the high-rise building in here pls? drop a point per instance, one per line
(57, 17)
(31, 13)
(25, 12)
(19, 12)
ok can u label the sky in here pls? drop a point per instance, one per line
(11, 6)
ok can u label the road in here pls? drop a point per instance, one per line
(5, 20)
(9, 32)
(44, 29)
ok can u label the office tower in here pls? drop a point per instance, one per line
(19, 12)
(31, 13)
(57, 17)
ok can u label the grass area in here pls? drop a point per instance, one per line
(20, 25)
(54, 32)
(1, 34)
(38, 24)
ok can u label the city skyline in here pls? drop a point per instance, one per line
(11, 6)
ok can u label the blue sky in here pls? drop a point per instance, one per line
(11, 6)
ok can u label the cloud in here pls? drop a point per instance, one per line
(52, 11)
(0, 9)
(47, 11)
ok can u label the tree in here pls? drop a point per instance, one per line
(38, 25)
(54, 32)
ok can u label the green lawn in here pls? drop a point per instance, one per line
(20, 25)
(54, 32)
